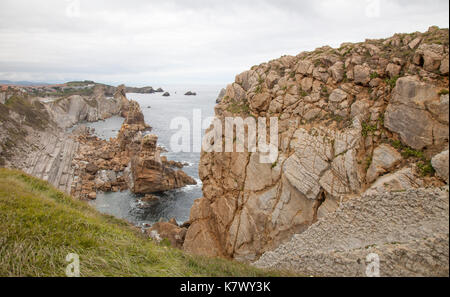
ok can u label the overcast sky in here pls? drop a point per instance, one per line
(193, 42)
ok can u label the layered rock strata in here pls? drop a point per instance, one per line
(34, 134)
(407, 231)
(364, 118)
(35, 139)
(130, 161)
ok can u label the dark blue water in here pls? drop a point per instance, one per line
(159, 111)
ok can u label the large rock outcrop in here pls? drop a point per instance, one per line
(33, 134)
(408, 231)
(130, 161)
(418, 114)
(347, 124)
(34, 138)
(76, 108)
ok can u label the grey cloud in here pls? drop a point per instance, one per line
(176, 41)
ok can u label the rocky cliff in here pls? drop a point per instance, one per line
(34, 137)
(130, 161)
(34, 134)
(408, 231)
(363, 119)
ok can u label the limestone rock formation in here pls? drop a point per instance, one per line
(143, 90)
(440, 164)
(408, 231)
(366, 117)
(170, 231)
(418, 114)
(34, 137)
(221, 95)
(384, 159)
(75, 109)
(130, 161)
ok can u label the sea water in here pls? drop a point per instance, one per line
(159, 111)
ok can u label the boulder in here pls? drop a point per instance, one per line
(271, 79)
(384, 159)
(305, 67)
(361, 74)
(260, 102)
(105, 176)
(337, 96)
(337, 71)
(393, 70)
(401, 180)
(92, 195)
(430, 55)
(407, 114)
(221, 95)
(444, 66)
(413, 44)
(307, 83)
(440, 109)
(91, 168)
(166, 230)
(166, 94)
(247, 79)
(440, 164)
(189, 93)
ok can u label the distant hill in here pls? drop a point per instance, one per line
(23, 83)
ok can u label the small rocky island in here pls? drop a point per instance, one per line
(189, 93)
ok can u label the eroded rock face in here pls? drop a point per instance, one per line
(402, 228)
(384, 159)
(411, 113)
(338, 111)
(130, 161)
(75, 109)
(440, 164)
(170, 231)
(39, 143)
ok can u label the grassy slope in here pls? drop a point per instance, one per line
(39, 226)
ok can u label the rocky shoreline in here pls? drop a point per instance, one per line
(78, 162)
(131, 161)
(363, 132)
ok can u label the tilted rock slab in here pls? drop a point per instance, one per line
(408, 231)
(340, 113)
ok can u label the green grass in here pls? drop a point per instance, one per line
(408, 152)
(443, 92)
(34, 113)
(368, 129)
(392, 82)
(426, 168)
(241, 107)
(40, 226)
